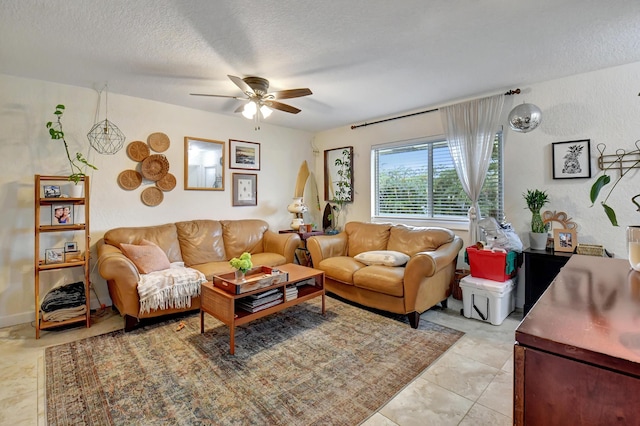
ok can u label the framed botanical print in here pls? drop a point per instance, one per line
(244, 155)
(572, 159)
(245, 189)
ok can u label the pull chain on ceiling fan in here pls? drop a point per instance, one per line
(259, 101)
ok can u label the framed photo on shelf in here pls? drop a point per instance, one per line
(244, 155)
(70, 246)
(572, 159)
(51, 191)
(53, 255)
(245, 189)
(565, 240)
(62, 214)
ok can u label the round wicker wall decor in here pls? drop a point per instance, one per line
(158, 141)
(155, 167)
(152, 196)
(138, 150)
(129, 179)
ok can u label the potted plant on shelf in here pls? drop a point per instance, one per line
(78, 162)
(242, 265)
(535, 200)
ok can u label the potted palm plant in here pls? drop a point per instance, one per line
(535, 200)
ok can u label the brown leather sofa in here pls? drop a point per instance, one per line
(410, 289)
(205, 245)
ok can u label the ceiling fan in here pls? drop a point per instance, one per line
(259, 98)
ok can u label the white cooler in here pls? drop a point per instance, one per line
(488, 300)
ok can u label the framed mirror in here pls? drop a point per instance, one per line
(338, 174)
(203, 164)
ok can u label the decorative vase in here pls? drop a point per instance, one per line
(75, 190)
(240, 275)
(296, 223)
(297, 206)
(538, 240)
(633, 241)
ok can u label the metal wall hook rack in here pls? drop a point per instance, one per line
(622, 160)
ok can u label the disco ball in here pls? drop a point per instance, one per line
(525, 117)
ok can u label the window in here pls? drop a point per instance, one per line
(417, 180)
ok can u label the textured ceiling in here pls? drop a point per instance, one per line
(363, 59)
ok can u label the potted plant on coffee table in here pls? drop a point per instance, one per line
(535, 200)
(242, 265)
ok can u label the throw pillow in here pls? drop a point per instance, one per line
(148, 257)
(382, 257)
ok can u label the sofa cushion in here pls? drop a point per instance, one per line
(147, 256)
(381, 279)
(243, 235)
(413, 239)
(382, 257)
(366, 237)
(340, 268)
(164, 236)
(201, 241)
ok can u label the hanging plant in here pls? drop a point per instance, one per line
(76, 163)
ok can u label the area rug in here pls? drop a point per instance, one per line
(295, 367)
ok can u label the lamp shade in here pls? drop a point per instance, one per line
(249, 110)
(525, 118)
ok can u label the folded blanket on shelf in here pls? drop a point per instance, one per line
(66, 296)
(64, 314)
(169, 288)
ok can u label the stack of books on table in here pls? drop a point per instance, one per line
(260, 301)
(291, 292)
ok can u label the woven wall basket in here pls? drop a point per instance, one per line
(138, 150)
(167, 183)
(152, 196)
(129, 179)
(158, 141)
(155, 167)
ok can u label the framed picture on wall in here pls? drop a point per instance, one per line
(244, 155)
(245, 189)
(572, 159)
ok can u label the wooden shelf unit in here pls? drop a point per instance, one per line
(222, 305)
(39, 228)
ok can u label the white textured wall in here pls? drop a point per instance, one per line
(602, 106)
(25, 149)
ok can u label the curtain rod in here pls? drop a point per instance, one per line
(355, 126)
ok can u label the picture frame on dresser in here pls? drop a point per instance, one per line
(51, 191)
(565, 240)
(53, 256)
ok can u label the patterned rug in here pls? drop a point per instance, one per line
(296, 367)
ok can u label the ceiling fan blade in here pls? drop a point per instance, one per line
(216, 96)
(240, 108)
(282, 107)
(246, 89)
(292, 93)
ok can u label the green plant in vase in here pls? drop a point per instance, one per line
(76, 163)
(343, 192)
(535, 200)
(242, 264)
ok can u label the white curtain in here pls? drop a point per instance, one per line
(470, 128)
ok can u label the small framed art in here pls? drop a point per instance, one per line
(53, 255)
(62, 214)
(565, 240)
(572, 159)
(245, 189)
(51, 191)
(244, 155)
(70, 246)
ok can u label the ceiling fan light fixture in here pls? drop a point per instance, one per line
(249, 110)
(265, 111)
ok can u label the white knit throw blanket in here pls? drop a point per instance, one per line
(169, 288)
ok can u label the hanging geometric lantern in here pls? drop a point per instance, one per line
(525, 118)
(105, 137)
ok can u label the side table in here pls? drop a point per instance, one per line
(302, 254)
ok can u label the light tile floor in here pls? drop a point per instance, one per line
(470, 384)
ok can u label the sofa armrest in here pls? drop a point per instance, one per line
(284, 244)
(324, 246)
(114, 266)
(426, 264)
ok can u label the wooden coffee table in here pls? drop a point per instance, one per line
(222, 305)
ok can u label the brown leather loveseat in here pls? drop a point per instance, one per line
(410, 288)
(205, 245)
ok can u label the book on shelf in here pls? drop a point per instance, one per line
(248, 301)
(258, 308)
(308, 281)
(263, 294)
(291, 293)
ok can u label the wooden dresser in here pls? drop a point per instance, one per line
(577, 352)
